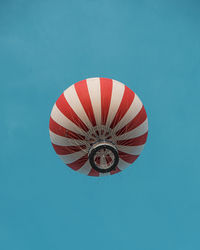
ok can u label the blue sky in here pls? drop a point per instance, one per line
(151, 46)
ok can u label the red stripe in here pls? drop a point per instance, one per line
(97, 160)
(84, 97)
(93, 172)
(127, 157)
(66, 109)
(125, 104)
(59, 130)
(106, 92)
(140, 140)
(108, 159)
(76, 165)
(139, 119)
(65, 150)
(117, 170)
(56, 128)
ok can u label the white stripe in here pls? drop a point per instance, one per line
(116, 98)
(85, 169)
(70, 158)
(104, 174)
(122, 164)
(103, 161)
(62, 120)
(138, 131)
(74, 101)
(95, 96)
(133, 110)
(133, 150)
(63, 141)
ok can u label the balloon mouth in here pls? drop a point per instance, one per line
(103, 156)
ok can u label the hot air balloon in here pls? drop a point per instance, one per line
(98, 126)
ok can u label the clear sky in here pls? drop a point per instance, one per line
(151, 46)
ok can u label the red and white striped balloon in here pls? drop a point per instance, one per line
(93, 110)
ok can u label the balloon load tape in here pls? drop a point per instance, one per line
(103, 156)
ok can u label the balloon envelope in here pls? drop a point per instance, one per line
(98, 126)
